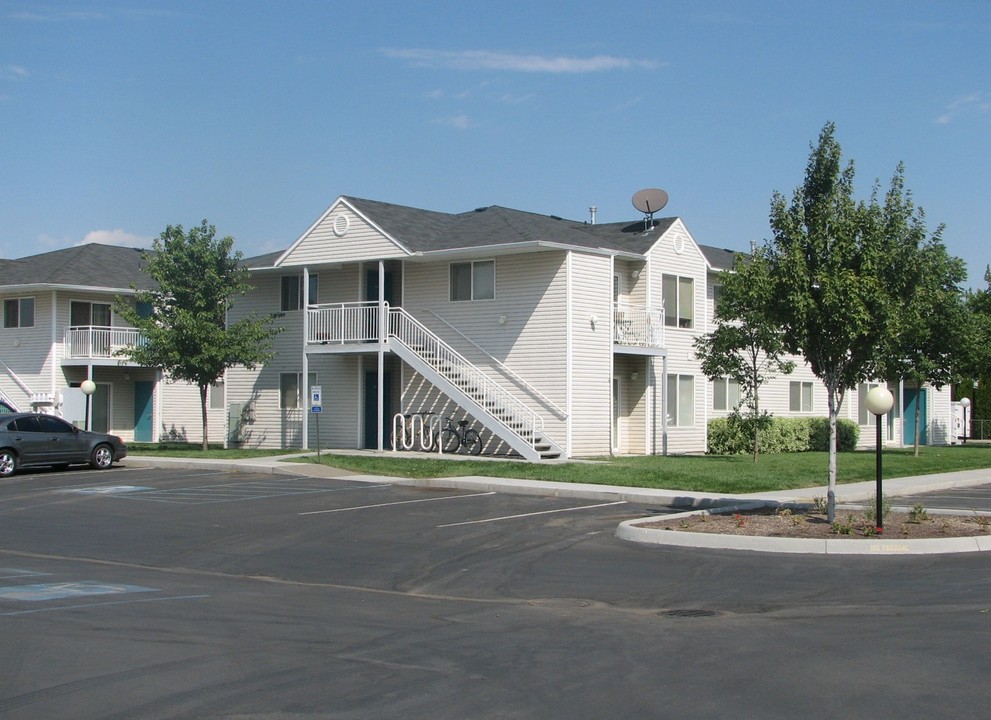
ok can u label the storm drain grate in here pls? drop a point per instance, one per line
(689, 613)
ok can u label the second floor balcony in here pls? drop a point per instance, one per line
(638, 326)
(99, 343)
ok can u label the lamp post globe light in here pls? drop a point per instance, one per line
(965, 404)
(88, 387)
(879, 402)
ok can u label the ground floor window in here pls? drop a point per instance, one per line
(800, 396)
(725, 394)
(217, 395)
(290, 397)
(681, 400)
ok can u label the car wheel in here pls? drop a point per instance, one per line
(102, 457)
(8, 463)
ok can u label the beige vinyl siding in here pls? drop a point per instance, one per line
(689, 263)
(591, 362)
(531, 294)
(28, 352)
(338, 375)
(320, 245)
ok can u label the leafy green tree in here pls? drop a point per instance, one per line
(935, 334)
(745, 345)
(186, 333)
(843, 270)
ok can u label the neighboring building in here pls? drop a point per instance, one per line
(551, 337)
(59, 329)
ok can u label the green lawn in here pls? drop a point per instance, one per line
(710, 473)
(718, 474)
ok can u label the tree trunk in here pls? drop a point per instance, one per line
(206, 432)
(835, 399)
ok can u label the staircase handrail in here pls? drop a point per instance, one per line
(20, 383)
(505, 368)
(418, 338)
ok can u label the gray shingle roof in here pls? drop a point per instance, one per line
(90, 265)
(719, 258)
(424, 231)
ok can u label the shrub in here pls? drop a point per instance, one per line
(733, 435)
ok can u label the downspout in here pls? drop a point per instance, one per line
(664, 406)
(613, 421)
(56, 356)
(304, 390)
(568, 355)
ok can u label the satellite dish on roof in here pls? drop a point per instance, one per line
(649, 201)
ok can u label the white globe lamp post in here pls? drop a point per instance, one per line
(965, 404)
(88, 387)
(879, 402)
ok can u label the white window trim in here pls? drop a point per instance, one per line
(19, 300)
(472, 263)
(812, 403)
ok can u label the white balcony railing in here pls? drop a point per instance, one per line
(343, 323)
(99, 342)
(638, 325)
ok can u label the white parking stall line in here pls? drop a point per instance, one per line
(211, 494)
(398, 502)
(524, 515)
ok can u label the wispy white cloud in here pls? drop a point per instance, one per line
(116, 237)
(55, 15)
(14, 72)
(459, 122)
(515, 62)
(976, 102)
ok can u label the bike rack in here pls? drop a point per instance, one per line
(407, 429)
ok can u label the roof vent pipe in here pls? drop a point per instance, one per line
(591, 211)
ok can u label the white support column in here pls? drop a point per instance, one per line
(383, 331)
(304, 390)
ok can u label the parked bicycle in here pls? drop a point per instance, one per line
(455, 438)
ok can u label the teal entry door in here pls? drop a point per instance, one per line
(371, 409)
(142, 410)
(914, 397)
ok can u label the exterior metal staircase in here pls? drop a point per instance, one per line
(502, 413)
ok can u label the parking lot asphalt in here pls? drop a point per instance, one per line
(150, 592)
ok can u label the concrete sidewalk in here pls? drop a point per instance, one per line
(849, 493)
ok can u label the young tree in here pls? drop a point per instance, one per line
(843, 269)
(186, 333)
(746, 345)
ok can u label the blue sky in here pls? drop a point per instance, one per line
(118, 118)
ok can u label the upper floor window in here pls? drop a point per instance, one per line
(800, 396)
(89, 314)
(679, 301)
(473, 280)
(18, 313)
(292, 292)
(725, 394)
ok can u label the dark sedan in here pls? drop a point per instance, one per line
(32, 439)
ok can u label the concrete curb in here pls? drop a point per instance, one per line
(629, 530)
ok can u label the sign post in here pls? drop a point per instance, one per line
(316, 407)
